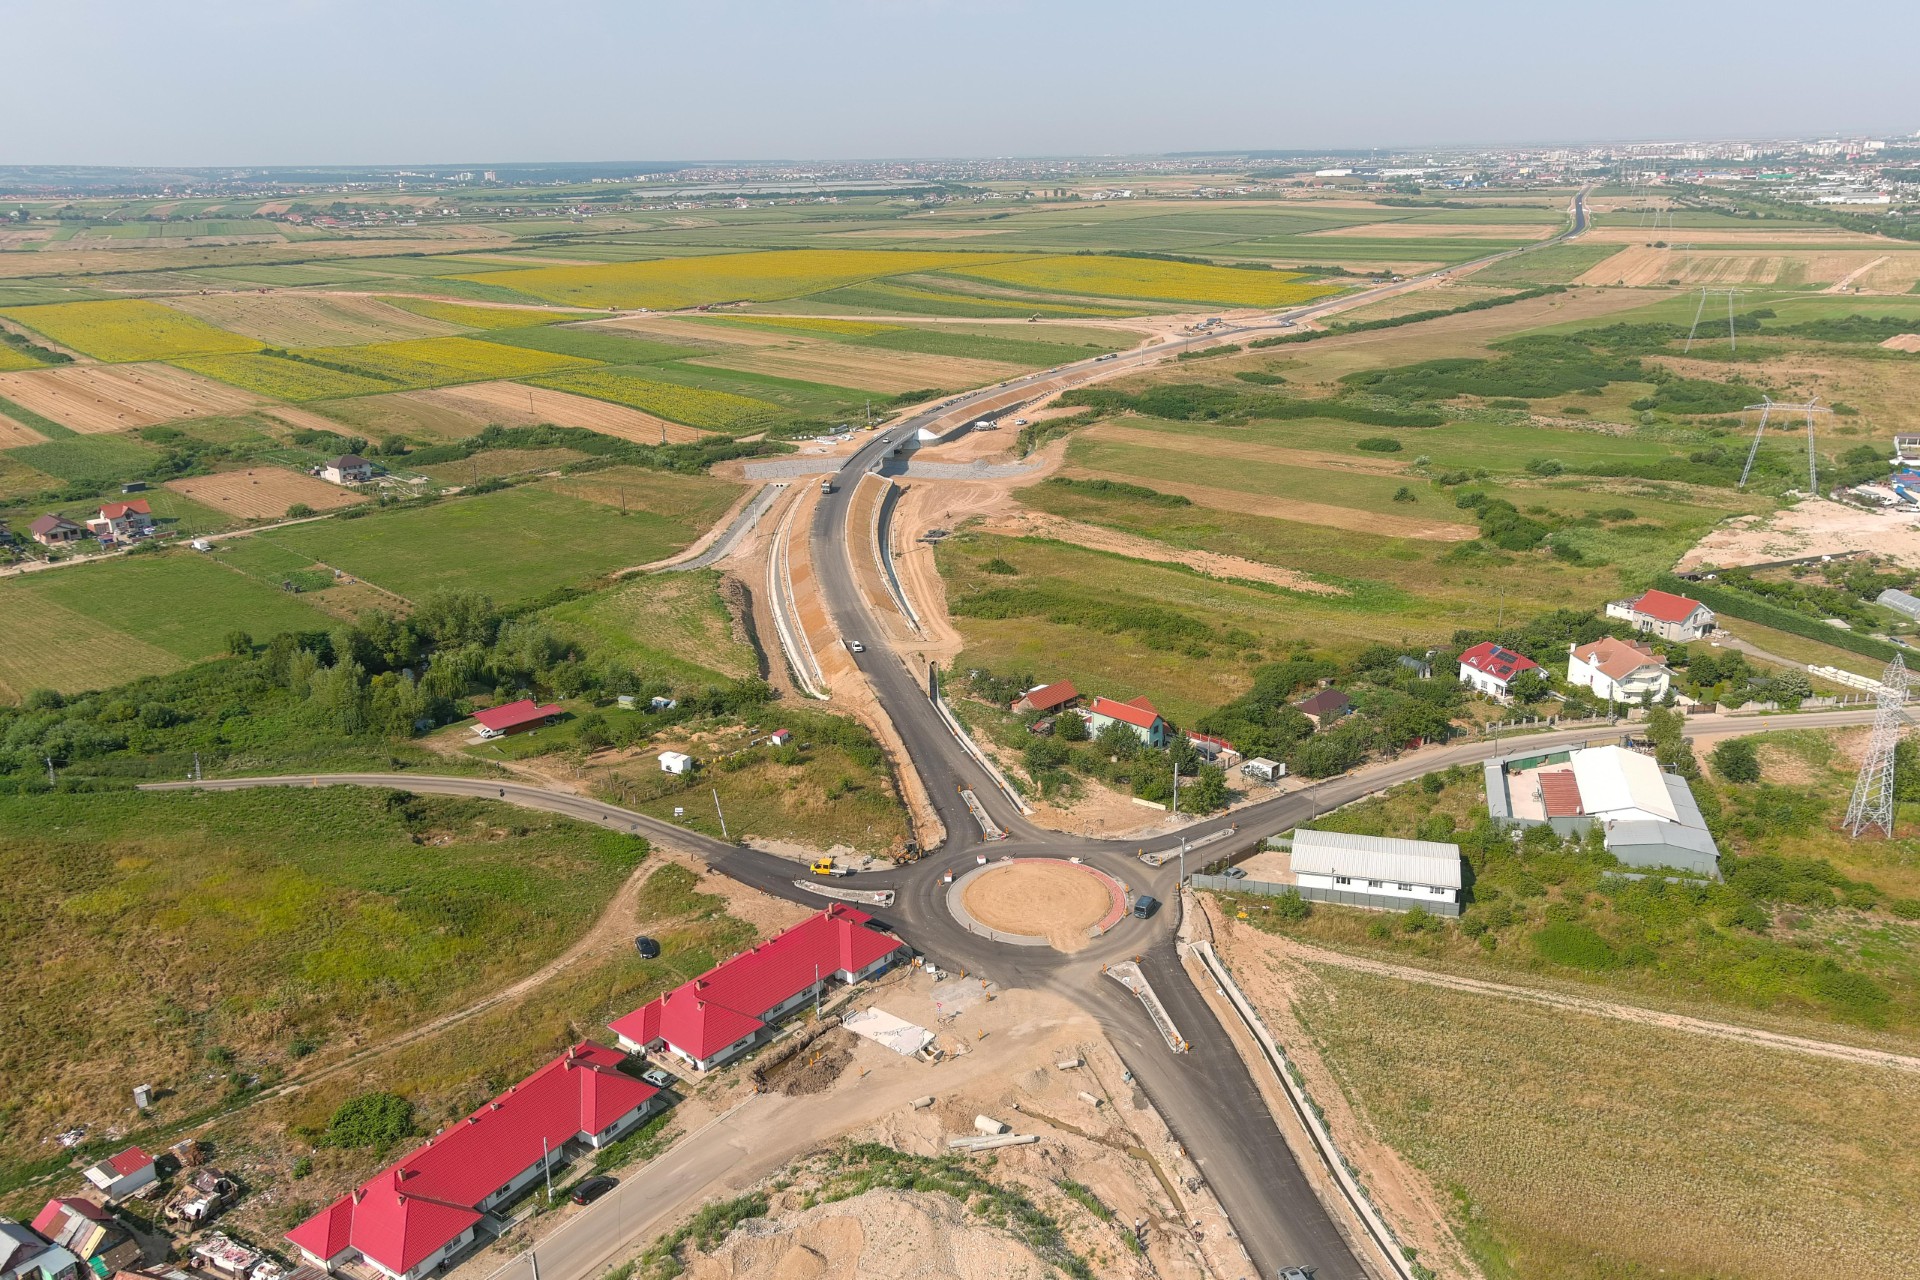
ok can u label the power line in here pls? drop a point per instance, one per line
(1872, 803)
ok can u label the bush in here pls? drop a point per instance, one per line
(1291, 906)
(999, 566)
(299, 510)
(1735, 760)
(1576, 946)
(375, 1120)
(1378, 444)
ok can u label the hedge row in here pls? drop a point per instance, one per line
(1739, 605)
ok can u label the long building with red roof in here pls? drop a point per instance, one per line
(726, 1010)
(416, 1215)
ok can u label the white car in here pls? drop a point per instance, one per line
(856, 646)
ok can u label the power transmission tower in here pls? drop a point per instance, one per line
(1872, 803)
(1733, 336)
(1766, 408)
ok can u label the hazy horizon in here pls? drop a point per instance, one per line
(352, 82)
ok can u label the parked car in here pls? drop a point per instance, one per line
(592, 1189)
(1144, 906)
(1234, 873)
(657, 1078)
(647, 947)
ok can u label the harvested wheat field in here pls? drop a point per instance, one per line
(14, 434)
(263, 493)
(1730, 237)
(96, 398)
(1327, 516)
(514, 404)
(1646, 266)
(865, 368)
(1430, 231)
(690, 333)
(310, 319)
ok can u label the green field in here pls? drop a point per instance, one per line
(512, 545)
(674, 624)
(96, 460)
(165, 937)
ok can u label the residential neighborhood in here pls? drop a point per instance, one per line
(1618, 670)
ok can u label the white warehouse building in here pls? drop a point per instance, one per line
(1377, 871)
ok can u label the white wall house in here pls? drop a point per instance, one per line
(1489, 668)
(1375, 871)
(1618, 671)
(1666, 615)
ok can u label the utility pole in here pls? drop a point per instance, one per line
(49, 760)
(196, 766)
(722, 816)
(1176, 792)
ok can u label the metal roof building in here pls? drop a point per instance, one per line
(1899, 602)
(1376, 871)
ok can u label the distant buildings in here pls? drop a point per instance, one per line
(513, 717)
(1666, 615)
(1649, 818)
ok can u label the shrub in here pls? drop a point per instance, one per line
(1291, 906)
(376, 1120)
(299, 510)
(1378, 444)
(1000, 566)
(1735, 760)
(1575, 945)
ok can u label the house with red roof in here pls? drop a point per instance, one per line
(52, 531)
(122, 520)
(1488, 668)
(418, 1214)
(1324, 707)
(1619, 670)
(123, 1173)
(1665, 615)
(513, 717)
(731, 1007)
(1048, 698)
(1138, 714)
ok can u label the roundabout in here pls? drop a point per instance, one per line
(1037, 902)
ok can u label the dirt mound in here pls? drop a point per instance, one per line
(895, 1235)
(815, 1068)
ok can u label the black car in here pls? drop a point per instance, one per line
(592, 1189)
(647, 947)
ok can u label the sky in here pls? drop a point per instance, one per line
(235, 82)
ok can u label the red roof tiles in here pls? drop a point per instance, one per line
(114, 510)
(52, 1220)
(406, 1212)
(1502, 664)
(1560, 794)
(512, 715)
(1047, 697)
(729, 1002)
(1664, 606)
(1139, 712)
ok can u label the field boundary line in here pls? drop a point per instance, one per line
(786, 614)
(1306, 954)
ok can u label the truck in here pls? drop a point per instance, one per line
(826, 485)
(825, 867)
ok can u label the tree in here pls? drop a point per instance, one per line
(1735, 760)
(1206, 791)
(1118, 739)
(1529, 687)
(1070, 726)
(239, 643)
(457, 617)
(1043, 754)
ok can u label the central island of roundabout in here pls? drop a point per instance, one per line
(1037, 902)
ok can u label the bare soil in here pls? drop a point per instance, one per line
(815, 1068)
(98, 398)
(1044, 897)
(515, 404)
(1812, 527)
(263, 493)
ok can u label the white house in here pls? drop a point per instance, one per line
(348, 468)
(1618, 785)
(123, 1173)
(675, 762)
(1488, 668)
(1666, 615)
(1376, 871)
(1618, 671)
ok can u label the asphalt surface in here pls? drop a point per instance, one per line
(1206, 1095)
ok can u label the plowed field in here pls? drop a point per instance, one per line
(514, 404)
(263, 493)
(91, 398)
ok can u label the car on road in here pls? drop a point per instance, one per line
(647, 947)
(856, 646)
(1144, 906)
(1109, 356)
(592, 1189)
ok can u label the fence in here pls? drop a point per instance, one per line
(1313, 893)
